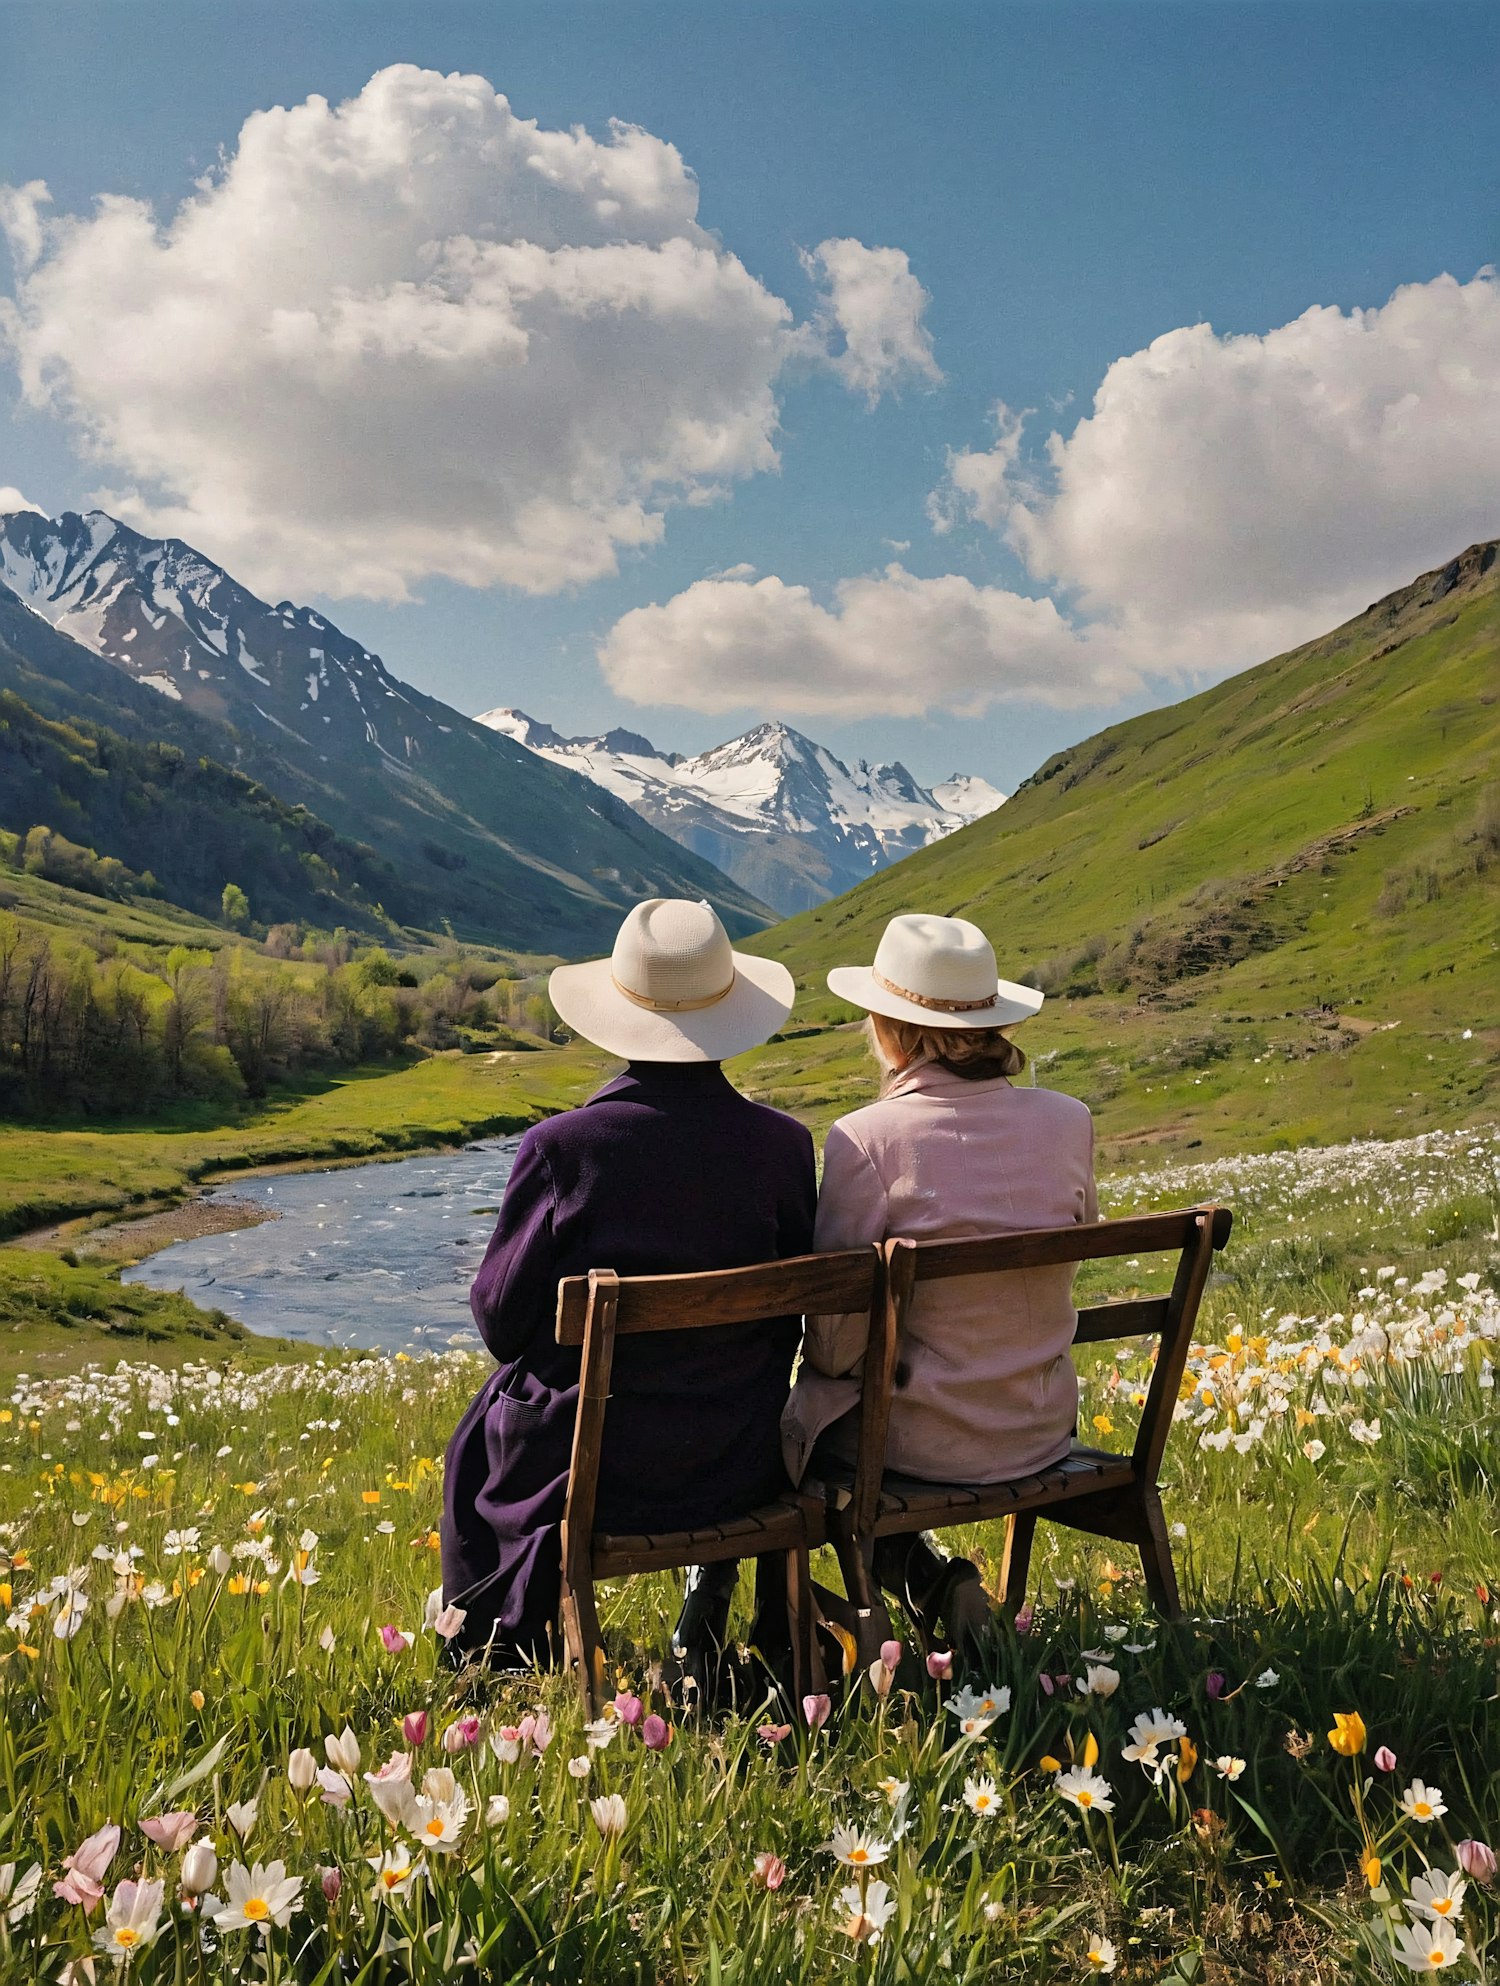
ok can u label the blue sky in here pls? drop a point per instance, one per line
(1068, 182)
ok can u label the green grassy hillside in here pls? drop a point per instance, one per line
(1270, 913)
(193, 823)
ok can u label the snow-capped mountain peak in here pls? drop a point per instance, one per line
(771, 804)
(180, 624)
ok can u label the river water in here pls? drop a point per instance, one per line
(376, 1256)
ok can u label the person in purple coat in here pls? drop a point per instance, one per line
(667, 1168)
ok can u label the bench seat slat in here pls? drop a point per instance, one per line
(774, 1527)
(907, 1504)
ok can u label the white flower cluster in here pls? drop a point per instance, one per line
(122, 1401)
(1370, 1174)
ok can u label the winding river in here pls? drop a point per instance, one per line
(376, 1256)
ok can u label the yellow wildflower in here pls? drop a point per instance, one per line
(1348, 1734)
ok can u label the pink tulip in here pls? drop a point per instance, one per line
(656, 1733)
(332, 1881)
(1047, 1683)
(461, 1736)
(772, 1734)
(1024, 1617)
(1385, 1759)
(940, 1665)
(536, 1731)
(1477, 1860)
(396, 1643)
(770, 1871)
(414, 1728)
(86, 1867)
(170, 1831)
(629, 1709)
(890, 1654)
(1213, 1684)
(817, 1710)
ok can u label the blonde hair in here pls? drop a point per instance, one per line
(978, 1054)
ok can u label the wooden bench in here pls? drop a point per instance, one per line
(592, 1311)
(1111, 1494)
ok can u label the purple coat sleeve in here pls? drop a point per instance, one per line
(515, 1293)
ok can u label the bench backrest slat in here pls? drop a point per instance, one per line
(1038, 1248)
(1127, 1317)
(810, 1284)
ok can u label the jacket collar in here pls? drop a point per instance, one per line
(932, 1079)
(665, 1079)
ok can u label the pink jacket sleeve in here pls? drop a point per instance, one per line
(852, 1211)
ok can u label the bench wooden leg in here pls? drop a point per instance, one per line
(1129, 1516)
(1156, 1558)
(581, 1637)
(1015, 1563)
(807, 1666)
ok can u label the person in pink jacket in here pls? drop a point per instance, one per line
(985, 1388)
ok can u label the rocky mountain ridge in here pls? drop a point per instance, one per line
(780, 813)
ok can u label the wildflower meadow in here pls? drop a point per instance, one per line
(233, 1748)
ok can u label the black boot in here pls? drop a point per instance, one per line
(702, 1630)
(944, 1596)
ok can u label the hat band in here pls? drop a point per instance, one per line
(924, 1000)
(671, 1006)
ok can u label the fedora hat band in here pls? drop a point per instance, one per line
(671, 1006)
(926, 1000)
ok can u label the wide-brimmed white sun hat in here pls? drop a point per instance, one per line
(673, 990)
(936, 972)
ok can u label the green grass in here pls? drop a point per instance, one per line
(140, 922)
(1318, 1570)
(58, 1316)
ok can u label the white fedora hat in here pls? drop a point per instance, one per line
(936, 972)
(673, 990)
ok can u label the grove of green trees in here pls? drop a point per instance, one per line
(93, 1028)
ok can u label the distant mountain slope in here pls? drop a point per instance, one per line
(194, 824)
(776, 811)
(505, 847)
(1301, 859)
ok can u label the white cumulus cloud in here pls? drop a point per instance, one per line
(415, 334)
(1230, 496)
(875, 305)
(890, 644)
(11, 500)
